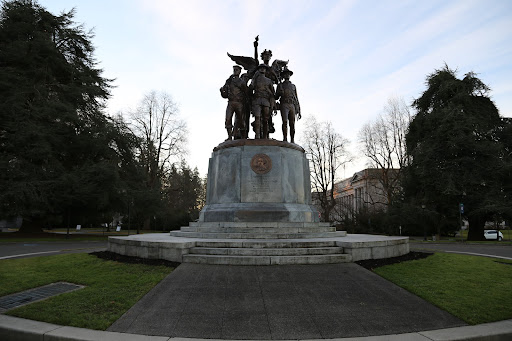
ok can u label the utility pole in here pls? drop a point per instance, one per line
(461, 210)
(424, 223)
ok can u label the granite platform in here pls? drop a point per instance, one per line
(260, 251)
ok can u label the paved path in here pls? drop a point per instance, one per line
(36, 249)
(279, 302)
(504, 251)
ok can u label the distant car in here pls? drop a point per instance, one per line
(491, 235)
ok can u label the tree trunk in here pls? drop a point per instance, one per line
(325, 215)
(147, 224)
(327, 206)
(476, 227)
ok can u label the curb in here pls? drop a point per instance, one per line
(14, 328)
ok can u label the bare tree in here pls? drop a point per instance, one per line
(163, 135)
(383, 143)
(327, 151)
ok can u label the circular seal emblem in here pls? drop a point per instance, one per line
(261, 164)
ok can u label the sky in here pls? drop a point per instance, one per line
(348, 57)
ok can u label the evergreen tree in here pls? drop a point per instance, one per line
(455, 151)
(183, 195)
(504, 172)
(57, 152)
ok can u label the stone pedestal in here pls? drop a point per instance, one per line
(258, 181)
(258, 212)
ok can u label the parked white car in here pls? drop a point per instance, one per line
(491, 235)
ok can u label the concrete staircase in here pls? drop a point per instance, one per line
(262, 230)
(263, 243)
(266, 253)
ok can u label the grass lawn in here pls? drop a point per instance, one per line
(475, 289)
(111, 288)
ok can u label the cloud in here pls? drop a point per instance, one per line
(348, 57)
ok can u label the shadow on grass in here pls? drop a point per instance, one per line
(371, 264)
(133, 260)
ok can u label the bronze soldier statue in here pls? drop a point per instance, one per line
(263, 100)
(287, 93)
(235, 90)
(263, 94)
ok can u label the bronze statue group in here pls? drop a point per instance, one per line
(260, 91)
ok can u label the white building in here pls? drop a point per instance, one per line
(369, 190)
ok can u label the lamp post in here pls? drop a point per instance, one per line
(461, 210)
(129, 216)
(424, 223)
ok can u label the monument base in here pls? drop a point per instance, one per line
(258, 212)
(350, 248)
(258, 181)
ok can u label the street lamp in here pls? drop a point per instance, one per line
(424, 223)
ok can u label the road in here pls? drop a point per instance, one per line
(36, 249)
(502, 251)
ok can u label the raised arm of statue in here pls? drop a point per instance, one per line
(256, 47)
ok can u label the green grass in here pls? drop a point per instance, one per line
(111, 288)
(475, 289)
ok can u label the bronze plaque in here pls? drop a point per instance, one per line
(261, 164)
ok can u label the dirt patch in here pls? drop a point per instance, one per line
(371, 264)
(133, 260)
(496, 261)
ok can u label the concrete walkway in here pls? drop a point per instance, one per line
(278, 303)
(337, 301)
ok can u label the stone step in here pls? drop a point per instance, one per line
(221, 235)
(266, 260)
(204, 229)
(254, 224)
(266, 251)
(262, 244)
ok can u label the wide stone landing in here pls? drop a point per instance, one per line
(233, 244)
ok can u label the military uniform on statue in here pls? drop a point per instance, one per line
(287, 94)
(235, 90)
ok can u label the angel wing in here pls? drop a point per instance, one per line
(247, 63)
